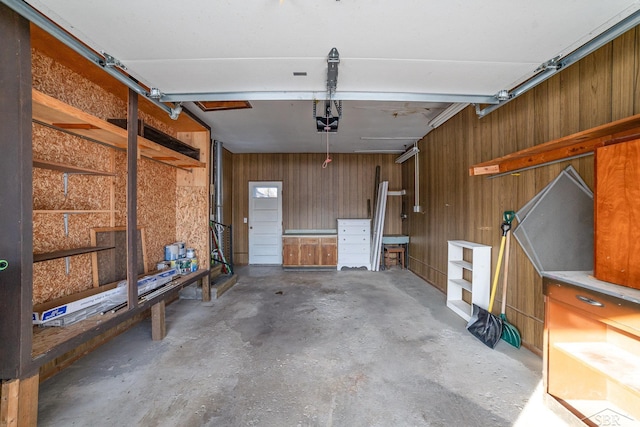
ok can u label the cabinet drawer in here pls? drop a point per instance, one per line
(309, 240)
(357, 258)
(614, 311)
(354, 240)
(353, 249)
(354, 230)
(354, 222)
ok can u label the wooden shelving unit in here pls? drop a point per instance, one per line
(470, 274)
(57, 114)
(573, 145)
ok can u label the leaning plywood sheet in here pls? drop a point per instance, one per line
(556, 227)
(111, 265)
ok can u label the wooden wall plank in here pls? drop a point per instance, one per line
(584, 95)
(313, 197)
(623, 66)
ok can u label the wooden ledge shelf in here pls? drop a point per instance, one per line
(608, 359)
(57, 114)
(72, 211)
(49, 343)
(47, 256)
(577, 144)
(62, 167)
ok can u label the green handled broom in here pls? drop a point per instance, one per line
(510, 333)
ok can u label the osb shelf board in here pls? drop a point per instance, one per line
(53, 112)
(63, 167)
(579, 143)
(68, 252)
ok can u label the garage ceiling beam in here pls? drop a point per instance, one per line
(338, 96)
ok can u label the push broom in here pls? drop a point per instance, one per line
(510, 333)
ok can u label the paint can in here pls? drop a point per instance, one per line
(171, 252)
(191, 253)
(184, 265)
(181, 249)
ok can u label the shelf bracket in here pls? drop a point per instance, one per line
(66, 224)
(67, 264)
(65, 180)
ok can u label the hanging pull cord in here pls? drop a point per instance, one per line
(328, 159)
(326, 131)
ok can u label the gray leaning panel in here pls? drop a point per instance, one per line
(556, 227)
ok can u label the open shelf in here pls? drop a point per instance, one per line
(569, 146)
(464, 284)
(461, 308)
(610, 360)
(71, 211)
(51, 342)
(47, 256)
(62, 167)
(463, 264)
(57, 114)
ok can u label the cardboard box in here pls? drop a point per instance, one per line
(43, 313)
(72, 303)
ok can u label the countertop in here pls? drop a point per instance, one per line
(311, 232)
(585, 279)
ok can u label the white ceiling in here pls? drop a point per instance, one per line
(436, 50)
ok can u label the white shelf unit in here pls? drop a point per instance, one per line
(354, 243)
(477, 281)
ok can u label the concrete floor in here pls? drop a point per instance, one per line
(289, 348)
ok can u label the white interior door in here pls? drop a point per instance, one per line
(265, 222)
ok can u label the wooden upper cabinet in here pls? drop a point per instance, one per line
(617, 214)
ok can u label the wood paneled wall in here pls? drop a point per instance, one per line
(313, 197)
(600, 88)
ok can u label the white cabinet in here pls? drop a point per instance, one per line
(469, 269)
(354, 243)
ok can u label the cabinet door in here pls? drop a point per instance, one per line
(328, 251)
(617, 214)
(290, 251)
(309, 251)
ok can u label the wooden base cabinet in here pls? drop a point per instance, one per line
(309, 251)
(592, 353)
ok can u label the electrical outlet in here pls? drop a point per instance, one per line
(245, 220)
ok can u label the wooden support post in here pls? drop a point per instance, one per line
(206, 288)
(16, 218)
(132, 199)
(158, 327)
(19, 402)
